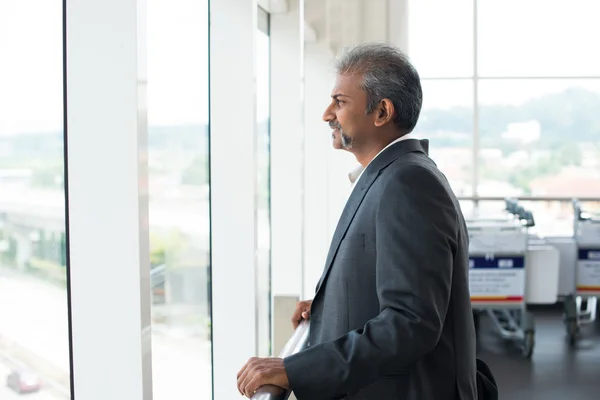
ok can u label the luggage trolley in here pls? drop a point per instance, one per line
(497, 276)
(587, 273)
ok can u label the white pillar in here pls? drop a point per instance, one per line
(374, 25)
(108, 199)
(398, 20)
(287, 155)
(233, 190)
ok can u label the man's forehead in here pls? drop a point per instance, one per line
(344, 85)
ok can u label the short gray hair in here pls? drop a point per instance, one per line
(386, 74)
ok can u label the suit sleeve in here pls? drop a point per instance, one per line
(416, 233)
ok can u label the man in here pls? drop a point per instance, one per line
(391, 317)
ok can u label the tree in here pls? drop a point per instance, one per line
(165, 246)
(196, 173)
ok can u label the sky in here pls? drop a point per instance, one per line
(177, 64)
(516, 38)
(30, 65)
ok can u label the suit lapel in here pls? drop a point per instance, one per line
(369, 176)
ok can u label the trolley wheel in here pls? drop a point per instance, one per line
(572, 331)
(528, 344)
(570, 308)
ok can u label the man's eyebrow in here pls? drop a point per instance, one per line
(335, 96)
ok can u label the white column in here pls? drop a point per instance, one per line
(318, 83)
(107, 199)
(398, 20)
(287, 154)
(375, 28)
(233, 191)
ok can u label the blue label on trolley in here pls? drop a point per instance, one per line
(497, 262)
(589, 254)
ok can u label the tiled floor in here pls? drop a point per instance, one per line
(555, 372)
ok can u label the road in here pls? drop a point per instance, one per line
(181, 365)
(34, 315)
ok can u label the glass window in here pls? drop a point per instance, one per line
(263, 184)
(537, 94)
(538, 38)
(34, 324)
(440, 37)
(447, 121)
(553, 218)
(178, 156)
(539, 137)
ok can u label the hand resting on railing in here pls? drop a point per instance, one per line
(297, 343)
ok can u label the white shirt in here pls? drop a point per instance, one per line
(356, 173)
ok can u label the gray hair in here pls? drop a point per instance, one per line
(386, 74)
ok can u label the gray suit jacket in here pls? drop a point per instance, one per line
(391, 318)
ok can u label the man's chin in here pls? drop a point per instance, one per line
(336, 141)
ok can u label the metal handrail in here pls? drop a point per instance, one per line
(295, 344)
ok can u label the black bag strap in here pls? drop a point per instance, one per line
(487, 389)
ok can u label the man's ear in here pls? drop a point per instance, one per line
(384, 113)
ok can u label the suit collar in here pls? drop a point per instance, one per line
(369, 176)
(398, 149)
(356, 173)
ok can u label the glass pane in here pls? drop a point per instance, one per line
(440, 37)
(34, 329)
(179, 198)
(447, 121)
(538, 38)
(263, 186)
(539, 138)
(552, 218)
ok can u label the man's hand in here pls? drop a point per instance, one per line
(259, 372)
(302, 312)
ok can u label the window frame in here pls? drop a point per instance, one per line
(476, 78)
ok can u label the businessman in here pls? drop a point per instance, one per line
(391, 317)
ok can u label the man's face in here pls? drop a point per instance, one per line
(346, 114)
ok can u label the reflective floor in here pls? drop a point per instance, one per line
(555, 372)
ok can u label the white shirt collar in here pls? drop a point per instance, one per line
(356, 173)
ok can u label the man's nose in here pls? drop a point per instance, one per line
(328, 115)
